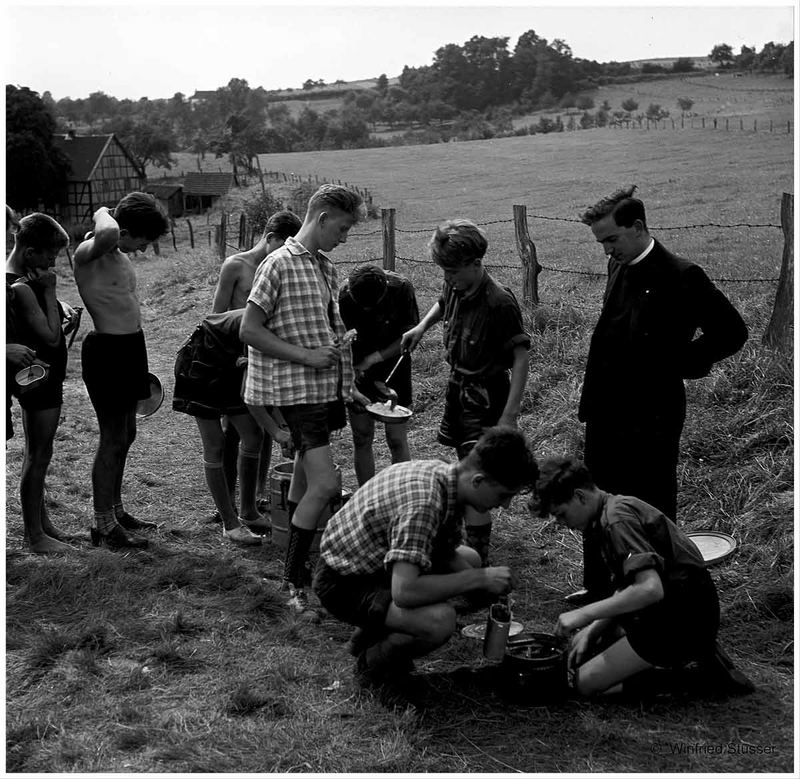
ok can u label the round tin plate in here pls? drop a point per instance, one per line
(148, 406)
(478, 630)
(713, 545)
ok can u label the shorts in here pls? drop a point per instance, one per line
(50, 393)
(470, 407)
(114, 369)
(312, 423)
(680, 628)
(358, 600)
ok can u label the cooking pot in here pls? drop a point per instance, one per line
(534, 668)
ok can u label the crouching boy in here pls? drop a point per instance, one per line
(662, 608)
(393, 556)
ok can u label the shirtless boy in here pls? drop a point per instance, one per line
(114, 354)
(233, 288)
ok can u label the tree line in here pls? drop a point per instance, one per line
(469, 91)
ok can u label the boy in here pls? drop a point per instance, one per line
(38, 240)
(380, 306)
(660, 607)
(233, 288)
(298, 362)
(114, 354)
(484, 340)
(392, 558)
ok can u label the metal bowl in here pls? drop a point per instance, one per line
(148, 406)
(385, 413)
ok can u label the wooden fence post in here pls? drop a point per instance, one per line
(156, 248)
(191, 233)
(779, 330)
(387, 226)
(527, 254)
(223, 236)
(172, 232)
(242, 229)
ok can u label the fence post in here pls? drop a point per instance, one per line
(242, 229)
(779, 330)
(387, 227)
(191, 233)
(527, 254)
(172, 232)
(156, 248)
(223, 236)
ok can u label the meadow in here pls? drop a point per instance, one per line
(182, 658)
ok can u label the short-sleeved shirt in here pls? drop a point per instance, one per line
(406, 513)
(298, 293)
(481, 329)
(380, 327)
(633, 536)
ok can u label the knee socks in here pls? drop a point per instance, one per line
(300, 540)
(478, 538)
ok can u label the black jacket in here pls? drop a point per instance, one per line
(644, 343)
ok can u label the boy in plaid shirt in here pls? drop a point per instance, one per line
(298, 361)
(391, 559)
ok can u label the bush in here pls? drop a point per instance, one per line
(630, 105)
(584, 102)
(259, 209)
(300, 196)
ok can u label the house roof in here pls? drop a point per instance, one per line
(163, 191)
(207, 183)
(85, 152)
(203, 94)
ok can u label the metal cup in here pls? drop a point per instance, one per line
(498, 623)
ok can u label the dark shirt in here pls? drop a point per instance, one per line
(381, 326)
(630, 535)
(481, 329)
(644, 343)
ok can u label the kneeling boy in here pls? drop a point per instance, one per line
(662, 608)
(393, 556)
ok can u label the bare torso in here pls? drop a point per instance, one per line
(107, 286)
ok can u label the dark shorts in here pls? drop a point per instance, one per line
(681, 627)
(50, 393)
(114, 369)
(357, 600)
(471, 407)
(311, 424)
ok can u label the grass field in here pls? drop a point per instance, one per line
(182, 658)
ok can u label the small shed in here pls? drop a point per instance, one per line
(103, 172)
(200, 190)
(169, 195)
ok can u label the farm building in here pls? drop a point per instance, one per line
(200, 190)
(201, 96)
(169, 195)
(103, 172)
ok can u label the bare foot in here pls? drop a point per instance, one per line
(54, 532)
(48, 545)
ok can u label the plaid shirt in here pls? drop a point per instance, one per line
(407, 512)
(288, 289)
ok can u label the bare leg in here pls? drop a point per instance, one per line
(603, 672)
(264, 463)
(397, 441)
(40, 430)
(363, 427)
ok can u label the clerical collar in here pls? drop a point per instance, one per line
(644, 253)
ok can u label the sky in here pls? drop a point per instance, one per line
(72, 49)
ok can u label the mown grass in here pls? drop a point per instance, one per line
(182, 658)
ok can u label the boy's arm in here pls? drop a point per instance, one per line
(223, 294)
(645, 590)
(254, 332)
(267, 423)
(103, 239)
(519, 377)
(412, 337)
(45, 325)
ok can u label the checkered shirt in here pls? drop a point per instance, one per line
(287, 289)
(407, 512)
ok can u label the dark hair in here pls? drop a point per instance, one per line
(367, 285)
(621, 204)
(12, 220)
(559, 478)
(40, 232)
(340, 198)
(284, 224)
(503, 454)
(142, 216)
(456, 243)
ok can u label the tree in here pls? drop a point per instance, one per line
(722, 53)
(383, 84)
(683, 65)
(655, 112)
(36, 171)
(685, 104)
(630, 105)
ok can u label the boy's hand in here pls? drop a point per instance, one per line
(323, 357)
(579, 646)
(44, 277)
(497, 580)
(19, 355)
(570, 621)
(410, 339)
(360, 400)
